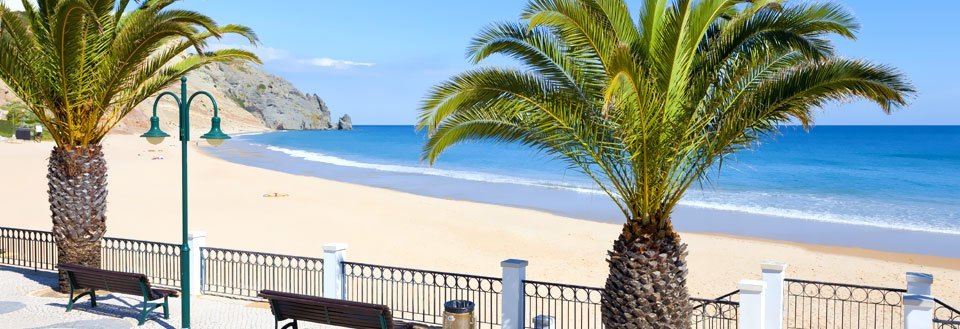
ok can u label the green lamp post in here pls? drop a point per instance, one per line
(214, 137)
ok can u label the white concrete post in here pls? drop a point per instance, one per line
(917, 302)
(751, 304)
(334, 285)
(196, 240)
(919, 283)
(917, 311)
(773, 275)
(514, 272)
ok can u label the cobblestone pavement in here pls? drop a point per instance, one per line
(27, 301)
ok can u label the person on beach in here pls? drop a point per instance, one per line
(38, 136)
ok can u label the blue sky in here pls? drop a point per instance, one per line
(376, 59)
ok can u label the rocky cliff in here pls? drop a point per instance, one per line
(250, 100)
(277, 103)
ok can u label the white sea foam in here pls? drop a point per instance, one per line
(887, 223)
(716, 202)
(457, 174)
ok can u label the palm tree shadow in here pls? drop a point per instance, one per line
(42, 277)
(126, 310)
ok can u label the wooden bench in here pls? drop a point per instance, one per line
(287, 306)
(93, 279)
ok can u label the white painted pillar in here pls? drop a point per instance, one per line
(196, 240)
(773, 275)
(919, 283)
(334, 285)
(514, 272)
(917, 311)
(918, 302)
(751, 304)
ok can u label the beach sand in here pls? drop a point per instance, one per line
(405, 230)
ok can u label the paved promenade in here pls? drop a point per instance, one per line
(28, 301)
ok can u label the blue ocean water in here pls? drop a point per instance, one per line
(901, 177)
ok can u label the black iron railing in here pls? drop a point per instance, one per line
(28, 248)
(418, 295)
(159, 261)
(814, 305)
(38, 250)
(563, 306)
(945, 316)
(238, 273)
(719, 313)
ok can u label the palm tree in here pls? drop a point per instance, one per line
(81, 66)
(647, 108)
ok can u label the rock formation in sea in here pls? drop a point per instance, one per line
(345, 123)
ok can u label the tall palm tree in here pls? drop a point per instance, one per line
(81, 66)
(647, 108)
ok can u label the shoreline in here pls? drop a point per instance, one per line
(598, 208)
(392, 228)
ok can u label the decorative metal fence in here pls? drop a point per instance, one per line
(564, 306)
(825, 305)
(719, 313)
(38, 250)
(28, 248)
(418, 295)
(243, 274)
(159, 261)
(945, 316)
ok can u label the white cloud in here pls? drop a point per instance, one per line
(335, 63)
(15, 5)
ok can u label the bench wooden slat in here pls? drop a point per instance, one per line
(286, 306)
(125, 286)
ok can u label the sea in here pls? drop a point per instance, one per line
(887, 178)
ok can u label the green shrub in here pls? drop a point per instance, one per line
(239, 101)
(6, 128)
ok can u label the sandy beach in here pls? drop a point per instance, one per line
(400, 229)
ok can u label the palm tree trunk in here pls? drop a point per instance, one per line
(77, 182)
(647, 284)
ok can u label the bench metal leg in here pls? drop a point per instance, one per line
(292, 325)
(147, 308)
(73, 300)
(166, 309)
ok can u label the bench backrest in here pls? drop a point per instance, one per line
(328, 311)
(82, 277)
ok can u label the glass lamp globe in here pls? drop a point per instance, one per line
(215, 142)
(155, 140)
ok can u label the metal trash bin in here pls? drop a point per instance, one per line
(544, 322)
(24, 134)
(458, 314)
